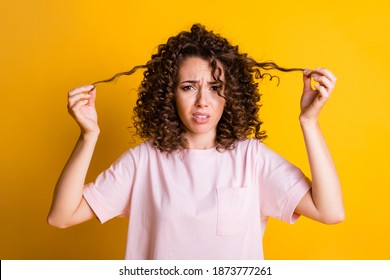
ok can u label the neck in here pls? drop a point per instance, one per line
(200, 142)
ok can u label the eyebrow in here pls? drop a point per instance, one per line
(209, 83)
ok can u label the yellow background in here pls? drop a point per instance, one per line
(50, 47)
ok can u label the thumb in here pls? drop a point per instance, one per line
(92, 98)
(307, 79)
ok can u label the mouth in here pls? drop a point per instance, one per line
(201, 116)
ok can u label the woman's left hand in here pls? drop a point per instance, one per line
(314, 99)
(324, 202)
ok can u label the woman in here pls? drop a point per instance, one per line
(199, 187)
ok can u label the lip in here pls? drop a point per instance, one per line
(201, 114)
(201, 118)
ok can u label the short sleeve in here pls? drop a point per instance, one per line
(282, 186)
(109, 195)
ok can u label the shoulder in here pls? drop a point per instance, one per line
(257, 151)
(136, 152)
(142, 147)
(250, 145)
(145, 152)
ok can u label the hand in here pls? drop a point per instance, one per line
(313, 100)
(81, 106)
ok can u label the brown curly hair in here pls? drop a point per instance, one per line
(155, 115)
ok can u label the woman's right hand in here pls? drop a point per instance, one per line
(69, 207)
(81, 106)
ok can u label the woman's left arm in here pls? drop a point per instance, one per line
(324, 201)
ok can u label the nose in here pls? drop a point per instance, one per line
(201, 99)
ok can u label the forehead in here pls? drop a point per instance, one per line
(196, 68)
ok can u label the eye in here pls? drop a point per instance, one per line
(187, 88)
(216, 88)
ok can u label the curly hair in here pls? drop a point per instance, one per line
(155, 115)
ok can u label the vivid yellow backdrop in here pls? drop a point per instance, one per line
(50, 47)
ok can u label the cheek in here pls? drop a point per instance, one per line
(181, 105)
(219, 104)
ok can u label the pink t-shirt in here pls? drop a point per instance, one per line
(197, 204)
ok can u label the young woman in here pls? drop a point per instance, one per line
(199, 187)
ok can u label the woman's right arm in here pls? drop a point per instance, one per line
(69, 206)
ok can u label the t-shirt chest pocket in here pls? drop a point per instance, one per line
(233, 210)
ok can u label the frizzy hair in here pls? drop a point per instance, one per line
(155, 114)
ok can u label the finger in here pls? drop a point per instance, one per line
(306, 79)
(73, 100)
(327, 73)
(92, 97)
(76, 107)
(323, 93)
(309, 72)
(80, 96)
(81, 89)
(324, 81)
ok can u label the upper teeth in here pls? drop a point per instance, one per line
(200, 116)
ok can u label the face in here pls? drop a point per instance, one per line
(198, 103)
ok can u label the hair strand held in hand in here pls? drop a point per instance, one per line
(155, 115)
